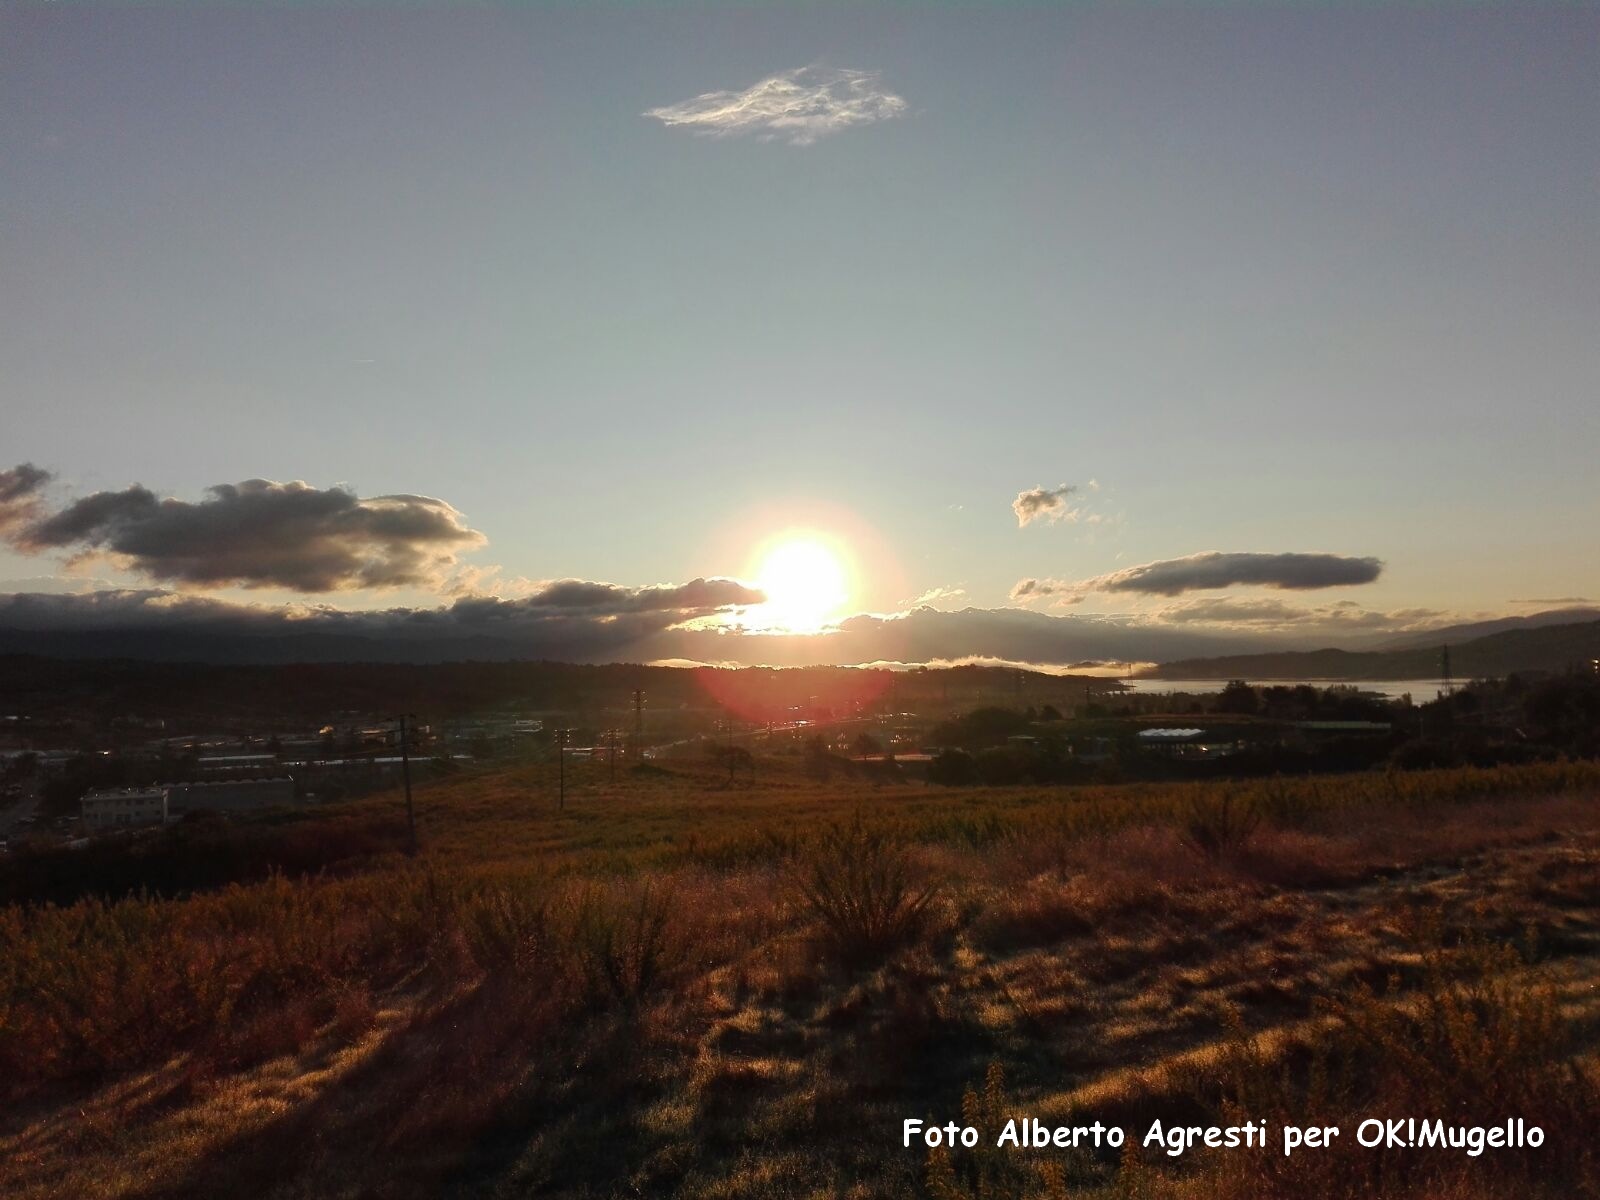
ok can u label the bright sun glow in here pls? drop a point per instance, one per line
(805, 583)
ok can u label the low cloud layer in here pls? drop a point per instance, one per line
(580, 621)
(1044, 504)
(255, 534)
(1213, 570)
(798, 107)
(568, 619)
(1271, 615)
(574, 621)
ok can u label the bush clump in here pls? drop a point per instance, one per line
(857, 884)
(1218, 827)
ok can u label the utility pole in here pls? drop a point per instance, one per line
(612, 738)
(561, 767)
(405, 773)
(638, 720)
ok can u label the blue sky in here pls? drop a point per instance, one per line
(1278, 278)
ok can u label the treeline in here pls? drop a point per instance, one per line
(1273, 702)
(1484, 723)
(1510, 720)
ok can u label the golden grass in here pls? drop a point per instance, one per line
(632, 997)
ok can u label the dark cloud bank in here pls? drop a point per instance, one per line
(570, 620)
(255, 534)
(580, 621)
(1211, 570)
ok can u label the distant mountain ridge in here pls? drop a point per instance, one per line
(1484, 648)
(1477, 629)
(1536, 648)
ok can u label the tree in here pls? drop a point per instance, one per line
(1238, 697)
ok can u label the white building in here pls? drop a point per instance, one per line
(109, 808)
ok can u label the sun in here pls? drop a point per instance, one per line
(805, 582)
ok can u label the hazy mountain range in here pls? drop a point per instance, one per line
(222, 634)
(1526, 646)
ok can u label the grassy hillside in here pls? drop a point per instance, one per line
(674, 986)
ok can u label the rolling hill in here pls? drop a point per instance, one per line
(1546, 648)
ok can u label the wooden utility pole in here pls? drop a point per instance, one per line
(405, 774)
(638, 720)
(561, 767)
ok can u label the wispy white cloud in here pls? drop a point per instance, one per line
(1044, 504)
(937, 595)
(798, 107)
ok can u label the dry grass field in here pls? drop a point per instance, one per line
(675, 986)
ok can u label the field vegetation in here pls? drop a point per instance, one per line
(680, 986)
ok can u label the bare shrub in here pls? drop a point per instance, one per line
(1218, 827)
(625, 940)
(857, 884)
(508, 929)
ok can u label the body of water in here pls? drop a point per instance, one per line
(1420, 690)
